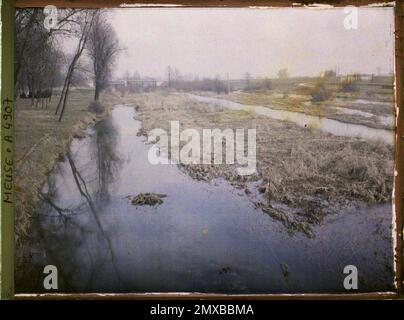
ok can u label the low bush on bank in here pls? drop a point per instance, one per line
(258, 85)
(349, 85)
(319, 92)
(96, 107)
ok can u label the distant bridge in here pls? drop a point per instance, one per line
(134, 84)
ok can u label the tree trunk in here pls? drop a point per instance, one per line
(62, 94)
(79, 51)
(64, 101)
(97, 92)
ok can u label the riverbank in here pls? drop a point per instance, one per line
(303, 174)
(373, 113)
(41, 142)
(101, 242)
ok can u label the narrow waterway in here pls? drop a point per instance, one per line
(334, 127)
(204, 237)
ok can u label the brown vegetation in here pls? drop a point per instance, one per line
(148, 198)
(303, 174)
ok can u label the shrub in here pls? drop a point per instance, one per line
(349, 85)
(258, 85)
(319, 92)
(96, 107)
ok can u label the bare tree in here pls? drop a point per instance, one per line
(169, 75)
(247, 78)
(283, 74)
(84, 22)
(32, 36)
(103, 47)
(39, 71)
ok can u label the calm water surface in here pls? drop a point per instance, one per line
(332, 126)
(205, 237)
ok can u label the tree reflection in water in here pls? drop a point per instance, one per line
(74, 219)
(104, 150)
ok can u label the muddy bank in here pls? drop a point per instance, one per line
(303, 174)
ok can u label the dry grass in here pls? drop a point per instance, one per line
(298, 103)
(305, 174)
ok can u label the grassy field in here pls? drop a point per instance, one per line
(303, 173)
(41, 142)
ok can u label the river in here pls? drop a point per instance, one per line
(204, 237)
(332, 126)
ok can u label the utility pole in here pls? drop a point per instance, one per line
(228, 83)
(169, 76)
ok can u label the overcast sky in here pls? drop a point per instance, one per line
(209, 42)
